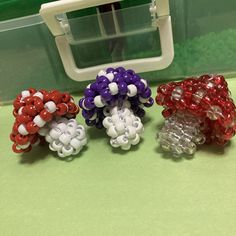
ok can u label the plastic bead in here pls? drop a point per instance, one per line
(50, 107)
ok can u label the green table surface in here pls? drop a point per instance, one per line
(109, 192)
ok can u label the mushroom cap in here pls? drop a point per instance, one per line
(114, 87)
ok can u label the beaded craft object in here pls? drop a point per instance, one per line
(116, 101)
(197, 111)
(47, 115)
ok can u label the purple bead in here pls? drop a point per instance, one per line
(123, 90)
(94, 86)
(89, 93)
(131, 72)
(90, 122)
(149, 103)
(140, 87)
(106, 95)
(140, 112)
(88, 114)
(99, 125)
(101, 86)
(118, 78)
(135, 78)
(110, 70)
(89, 103)
(147, 93)
(127, 78)
(81, 103)
(102, 79)
(120, 70)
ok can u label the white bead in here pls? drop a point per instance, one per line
(115, 118)
(72, 125)
(50, 106)
(43, 131)
(80, 134)
(126, 112)
(112, 132)
(75, 143)
(98, 101)
(20, 111)
(94, 117)
(120, 127)
(65, 138)
(88, 86)
(63, 120)
(25, 94)
(126, 104)
(62, 127)
(83, 141)
(126, 147)
(144, 82)
(55, 133)
(61, 154)
(132, 90)
(128, 120)
(39, 121)
(122, 140)
(38, 94)
(113, 87)
(22, 130)
(131, 132)
(136, 140)
(24, 146)
(72, 131)
(107, 122)
(67, 151)
(110, 76)
(48, 138)
(138, 126)
(106, 111)
(56, 145)
(143, 100)
(114, 111)
(114, 143)
(101, 72)
(80, 127)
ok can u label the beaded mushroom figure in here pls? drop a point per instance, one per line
(47, 115)
(116, 101)
(196, 111)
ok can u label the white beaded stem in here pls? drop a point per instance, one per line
(66, 137)
(50, 106)
(181, 134)
(123, 127)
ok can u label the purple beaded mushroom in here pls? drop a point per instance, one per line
(116, 101)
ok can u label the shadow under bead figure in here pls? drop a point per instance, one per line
(197, 111)
(116, 101)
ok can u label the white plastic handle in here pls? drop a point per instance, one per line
(50, 10)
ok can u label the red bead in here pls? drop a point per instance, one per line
(29, 110)
(45, 115)
(29, 100)
(16, 149)
(23, 119)
(72, 108)
(56, 97)
(32, 128)
(62, 109)
(15, 112)
(167, 113)
(12, 137)
(15, 128)
(21, 139)
(32, 90)
(38, 103)
(18, 104)
(65, 97)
